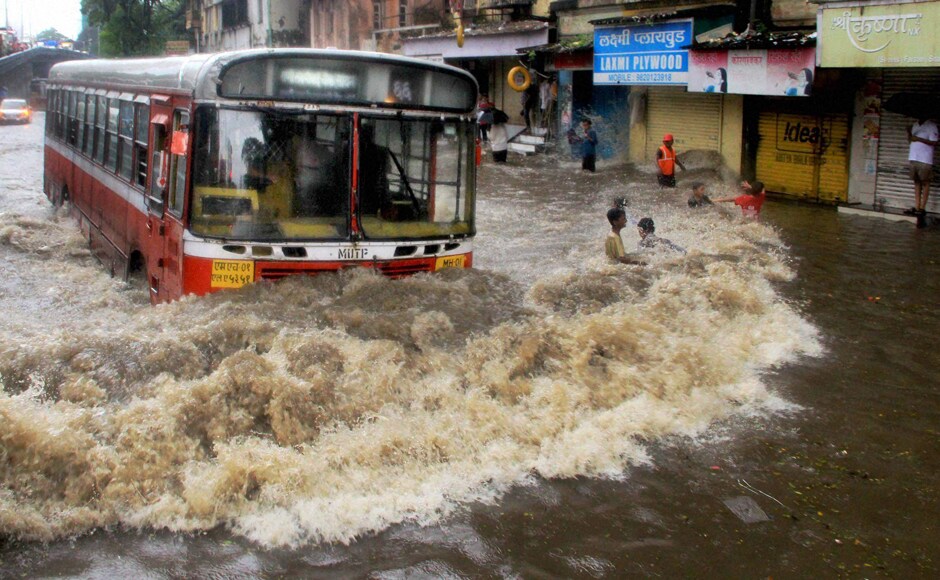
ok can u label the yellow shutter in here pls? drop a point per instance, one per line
(804, 155)
(694, 119)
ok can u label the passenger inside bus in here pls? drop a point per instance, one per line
(374, 197)
(318, 189)
(269, 177)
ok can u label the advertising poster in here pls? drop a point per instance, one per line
(642, 54)
(782, 72)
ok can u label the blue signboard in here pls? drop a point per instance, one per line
(643, 54)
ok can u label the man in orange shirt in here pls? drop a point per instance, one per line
(667, 158)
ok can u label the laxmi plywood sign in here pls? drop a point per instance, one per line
(643, 54)
(895, 35)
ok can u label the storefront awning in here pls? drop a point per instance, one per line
(631, 17)
(502, 40)
(756, 41)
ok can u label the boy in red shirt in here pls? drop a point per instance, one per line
(750, 201)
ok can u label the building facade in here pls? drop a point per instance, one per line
(889, 58)
(218, 25)
(497, 36)
(376, 25)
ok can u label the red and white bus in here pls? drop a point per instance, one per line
(213, 171)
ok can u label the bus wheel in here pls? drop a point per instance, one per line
(60, 196)
(513, 80)
(136, 273)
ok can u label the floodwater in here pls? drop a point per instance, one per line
(544, 415)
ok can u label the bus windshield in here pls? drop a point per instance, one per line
(272, 176)
(268, 176)
(415, 178)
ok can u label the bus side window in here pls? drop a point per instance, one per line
(178, 159)
(101, 114)
(142, 112)
(111, 156)
(51, 97)
(126, 141)
(71, 135)
(59, 120)
(158, 169)
(89, 145)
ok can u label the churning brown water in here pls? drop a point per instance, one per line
(545, 414)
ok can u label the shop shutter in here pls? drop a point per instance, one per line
(894, 182)
(804, 156)
(694, 119)
(833, 183)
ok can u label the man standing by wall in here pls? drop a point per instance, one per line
(923, 136)
(588, 146)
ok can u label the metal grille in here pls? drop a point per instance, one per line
(693, 118)
(894, 182)
(807, 169)
(393, 269)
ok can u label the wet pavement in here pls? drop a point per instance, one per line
(572, 419)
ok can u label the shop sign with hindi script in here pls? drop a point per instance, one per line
(893, 35)
(643, 54)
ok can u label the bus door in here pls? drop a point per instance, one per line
(169, 153)
(156, 196)
(175, 202)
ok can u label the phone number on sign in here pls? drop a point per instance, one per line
(640, 78)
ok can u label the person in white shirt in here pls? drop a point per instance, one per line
(499, 136)
(923, 136)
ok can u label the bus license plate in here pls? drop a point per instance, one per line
(232, 273)
(450, 262)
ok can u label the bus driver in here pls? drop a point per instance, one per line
(317, 191)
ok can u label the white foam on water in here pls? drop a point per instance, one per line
(322, 409)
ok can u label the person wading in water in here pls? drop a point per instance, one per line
(667, 158)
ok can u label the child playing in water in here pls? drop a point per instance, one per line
(750, 201)
(649, 240)
(614, 243)
(698, 198)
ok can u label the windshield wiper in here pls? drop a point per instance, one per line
(404, 180)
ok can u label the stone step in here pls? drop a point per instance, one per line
(530, 139)
(539, 131)
(523, 148)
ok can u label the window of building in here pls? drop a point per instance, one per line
(377, 14)
(402, 12)
(234, 13)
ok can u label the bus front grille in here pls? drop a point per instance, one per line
(404, 267)
(395, 269)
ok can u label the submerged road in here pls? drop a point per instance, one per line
(766, 406)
